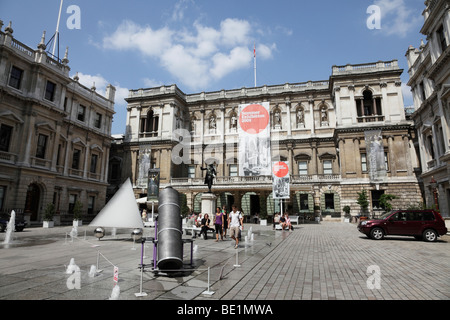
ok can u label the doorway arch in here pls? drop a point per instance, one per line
(33, 200)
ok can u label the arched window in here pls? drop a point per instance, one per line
(369, 108)
(149, 124)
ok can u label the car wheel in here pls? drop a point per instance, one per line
(377, 233)
(430, 235)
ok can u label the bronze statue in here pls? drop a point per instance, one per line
(210, 174)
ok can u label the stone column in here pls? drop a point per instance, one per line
(351, 91)
(288, 116)
(55, 147)
(311, 111)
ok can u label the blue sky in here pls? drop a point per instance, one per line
(207, 45)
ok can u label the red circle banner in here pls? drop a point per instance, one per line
(254, 119)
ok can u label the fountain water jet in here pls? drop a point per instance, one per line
(10, 228)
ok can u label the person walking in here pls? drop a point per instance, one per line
(225, 221)
(218, 224)
(235, 222)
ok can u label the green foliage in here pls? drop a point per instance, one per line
(77, 211)
(362, 200)
(184, 209)
(346, 209)
(49, 212)
(385, 201)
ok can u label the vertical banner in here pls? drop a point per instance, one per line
(375, 155)
(254, 140)
(280, 177)
(143, 165)
(153, 184)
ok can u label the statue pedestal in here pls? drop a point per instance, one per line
(208, 203)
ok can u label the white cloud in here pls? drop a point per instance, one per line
(397, 18)
(235, 32)
(151, 83)
(238, 58)
(265, 52)
(132, 36)
(195, 56)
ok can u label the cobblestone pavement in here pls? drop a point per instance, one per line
(326, 261)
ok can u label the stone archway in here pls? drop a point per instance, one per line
(32, 201)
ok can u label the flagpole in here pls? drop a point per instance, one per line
(254, 55)
(57, 30)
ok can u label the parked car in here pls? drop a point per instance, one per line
(421, 224)
(19, 222)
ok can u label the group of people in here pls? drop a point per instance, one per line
(282, 220)
(223, 221)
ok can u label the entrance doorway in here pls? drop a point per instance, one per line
(32, 201)
(250, 203)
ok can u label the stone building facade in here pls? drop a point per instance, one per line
(319, 127)
(429, 71)
(55, 134)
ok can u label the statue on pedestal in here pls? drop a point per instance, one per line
(210, 175)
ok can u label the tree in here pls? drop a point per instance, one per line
(49, 212)
(385, 201)
(77, 210)
(363, 200)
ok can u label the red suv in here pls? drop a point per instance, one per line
(422, 224)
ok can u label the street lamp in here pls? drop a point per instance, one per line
(433, 184)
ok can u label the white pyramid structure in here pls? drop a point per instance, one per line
(121, 211)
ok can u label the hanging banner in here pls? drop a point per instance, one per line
(254, 140)
(375, 155)
(153, 184)
(281, 179)
(143, 165)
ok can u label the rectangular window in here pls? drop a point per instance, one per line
(441, 38)
(191, 172)
(429, 139)
(327, 167)
(5, 137)
(15, 78)
(2, 196)
(58, 155)
(422, 91)
(81, 113)
(304, 202)
(72, 200)
(233, 170)
(94, 159)
(364, 162)
(41, 146)
(76, 159)
(303, 168)
(91, 202)
(386, 161)
(98, 120)
(329, 201)
(50, 90)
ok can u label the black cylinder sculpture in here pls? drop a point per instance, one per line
(170, 243)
